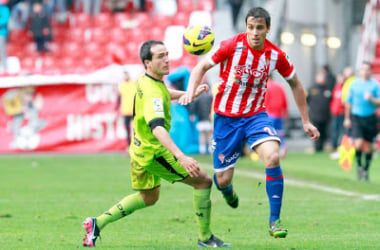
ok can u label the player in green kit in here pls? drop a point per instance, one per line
(154, 155)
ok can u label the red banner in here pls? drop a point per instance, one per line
(72, 118)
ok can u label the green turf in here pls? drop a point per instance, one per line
(44, 199)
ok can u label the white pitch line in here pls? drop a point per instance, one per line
(315, 186)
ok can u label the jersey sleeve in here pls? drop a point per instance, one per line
(221, 53)
(153, 105)
(285, 66)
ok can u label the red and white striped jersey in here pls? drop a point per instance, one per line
(244, 73)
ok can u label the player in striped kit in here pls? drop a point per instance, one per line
(246, 62)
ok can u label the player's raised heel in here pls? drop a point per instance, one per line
(213, 242)
(276, 230)
(232, 200)
(92, 232)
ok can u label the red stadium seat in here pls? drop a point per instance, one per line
(207, 5)
(185, 6)
(28, 65)
(156, 33)
(71, 49)
(30, 49)
(377, 49)
(121, 20)
(77, 34)
(14, 49)
(376, 66)
(138, 35)
(67, 64)
(103, 20)
(55, 48)
(19, 36)
(118, 35)
(181, 18)
(162, 20)
(142, 20)
(88, 64)
(100, 35)
(132, 51)
(94, 50)
(82, 20)
(50, 65)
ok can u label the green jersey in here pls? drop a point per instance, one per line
(152, 103)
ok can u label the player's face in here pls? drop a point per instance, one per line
(159, 65)
(256, 32)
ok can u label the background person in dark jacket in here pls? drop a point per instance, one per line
(40, 27)
(318, 100)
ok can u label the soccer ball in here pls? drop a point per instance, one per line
(198, 40)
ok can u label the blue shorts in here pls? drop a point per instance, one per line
(278, 124)
(231, 133)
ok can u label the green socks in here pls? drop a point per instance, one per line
(202, 207)
(125, 207)
(133, 202)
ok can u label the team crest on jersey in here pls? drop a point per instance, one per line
(221, 158)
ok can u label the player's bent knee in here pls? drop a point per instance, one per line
(202, 181)
(272, 159)
(150, 197)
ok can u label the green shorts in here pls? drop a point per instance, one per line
(163, 165)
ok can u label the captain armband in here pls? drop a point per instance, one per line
(156, 122)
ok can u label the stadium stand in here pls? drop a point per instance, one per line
(86, 43)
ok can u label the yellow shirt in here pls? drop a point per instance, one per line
(346, 88)
(127, 92)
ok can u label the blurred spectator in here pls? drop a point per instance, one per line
(40, 27)
(235, 9)
(56, 9)
(277, 108)
(117, 5)
(318, 99)
(124, 103)
(349, 75)
(337, 115)
(202, 109)
(4, 19)
(330, 77)
(19, 15)
(91, 7)
(48, 7)
(142, 5)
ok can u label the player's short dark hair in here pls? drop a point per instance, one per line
(259, 12)
(145, 50)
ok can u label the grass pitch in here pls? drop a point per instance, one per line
(44, 199)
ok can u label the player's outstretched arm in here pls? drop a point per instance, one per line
(175, 94)
(196, 77)
(188, 163)
(300, 99)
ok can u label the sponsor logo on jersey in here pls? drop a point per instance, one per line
(158, 106)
